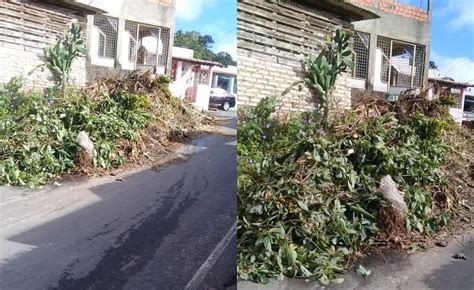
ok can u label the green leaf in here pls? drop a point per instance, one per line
(302, 205)
(363, 271)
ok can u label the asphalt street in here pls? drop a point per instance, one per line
(169, 227)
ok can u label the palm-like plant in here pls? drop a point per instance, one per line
(59, 56)
(323, 69)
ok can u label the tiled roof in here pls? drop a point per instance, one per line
(199, 61)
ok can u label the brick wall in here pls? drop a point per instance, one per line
(26, 29)
(273, 40)
(16, 60)
(260, 78)
(394, 7)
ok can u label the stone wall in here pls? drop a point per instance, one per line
(260, 78)
(273, 39)
(16, 60)
(25, 30)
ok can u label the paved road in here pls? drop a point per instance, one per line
(167, 228)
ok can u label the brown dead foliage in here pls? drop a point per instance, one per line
(408, 103)
(176, 120)
(393, 225)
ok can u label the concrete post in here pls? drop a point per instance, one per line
(120, 31)
(372, 57)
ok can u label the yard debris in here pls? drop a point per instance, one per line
(460, 256)
(311, 204)
(441, 243)
(86, 143)
(361, 270)
(389, 190)
(93, 130)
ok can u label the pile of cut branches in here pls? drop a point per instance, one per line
(125, 118)
(309, 200)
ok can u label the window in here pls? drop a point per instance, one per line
(148, 45)
(402, 63)
(224, 82)
(107, 28)
(165, 41)
(419, 66)
(132, 29)
(361, 55)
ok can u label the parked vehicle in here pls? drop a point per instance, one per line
(220, 98)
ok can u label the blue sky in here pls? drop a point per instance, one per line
(452, 40)
(217, 18)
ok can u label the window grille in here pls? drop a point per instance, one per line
(132, 29)
(165, 40)
(148, 46)
(202, 77)
(361, 55)
(108, 29)
(419, 66)
(385, 45)
(402, 63)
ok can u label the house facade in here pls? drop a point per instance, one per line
(464, 109)
(391, 43)
(275, 36)
(130, 35)
(392, 52)
(122, 35)
(26, 28)
(192, 78)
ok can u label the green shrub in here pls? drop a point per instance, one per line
(37, 136)
(307, 198)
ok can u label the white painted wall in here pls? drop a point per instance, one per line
(202, 97)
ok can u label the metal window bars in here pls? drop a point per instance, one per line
(419, 66)
(402, 63)
(148, 46)
(361, 55)
(132, 29)
(385, 45)
(108, 33)
(165, 40)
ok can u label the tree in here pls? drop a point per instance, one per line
(202, 46)
(224, 58)
(433, 65)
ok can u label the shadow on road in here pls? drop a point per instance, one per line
(152, 230)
